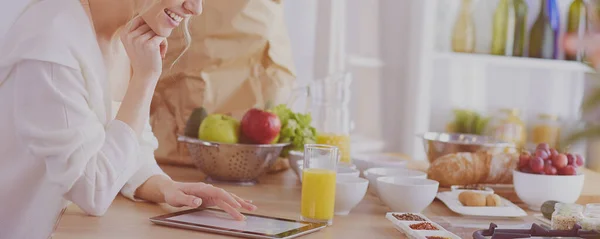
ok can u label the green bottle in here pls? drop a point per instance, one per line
(510, 22)
(577, 25)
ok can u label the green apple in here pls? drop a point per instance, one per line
(219, 128)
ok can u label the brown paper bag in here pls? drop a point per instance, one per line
(240, 57)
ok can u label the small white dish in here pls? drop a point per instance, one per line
(508, 209)
(377, 160)
(373, 173)
(407, 194)
(535, 189)
(404, 227)
(347, 171)
(482, 189)
(349, 191)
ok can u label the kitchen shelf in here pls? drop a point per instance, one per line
(516, 62)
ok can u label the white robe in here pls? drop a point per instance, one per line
(59, 141)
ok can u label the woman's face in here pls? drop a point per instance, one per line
(165, 15)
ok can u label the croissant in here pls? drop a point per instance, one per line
(473, 168)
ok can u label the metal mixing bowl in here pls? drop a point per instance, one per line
(233, 163)
(440, 144)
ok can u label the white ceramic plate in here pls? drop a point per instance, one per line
(508, 209)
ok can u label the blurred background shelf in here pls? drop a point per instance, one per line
(514, 62)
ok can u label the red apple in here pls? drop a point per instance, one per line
(260, 127)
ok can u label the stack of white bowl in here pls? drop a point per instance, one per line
(401, 189)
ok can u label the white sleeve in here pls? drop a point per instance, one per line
(148, 167)
(85, 159)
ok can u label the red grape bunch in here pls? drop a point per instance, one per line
(549, 162)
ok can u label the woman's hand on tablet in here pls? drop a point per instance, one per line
(180, 194)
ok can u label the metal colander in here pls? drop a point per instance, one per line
(236, 163)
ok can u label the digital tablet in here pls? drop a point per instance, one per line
(255, 226)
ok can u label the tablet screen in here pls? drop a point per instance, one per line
(255, 224)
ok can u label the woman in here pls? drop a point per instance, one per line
(240, 57)
(60, 139)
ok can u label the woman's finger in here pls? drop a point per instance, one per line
(156, 40)
(146, 36)
(246, 204)
(182, 199)
(164, 45)
(231, 211)
(135, 24)
(213, 192)
(140, 31)
(227, 198)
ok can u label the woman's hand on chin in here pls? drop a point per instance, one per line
(144, 48)
(203, 195)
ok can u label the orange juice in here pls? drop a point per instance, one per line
(338, 140)
(318, 194)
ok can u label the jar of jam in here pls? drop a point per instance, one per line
(545, 129)
(566, 215)
(508, 126)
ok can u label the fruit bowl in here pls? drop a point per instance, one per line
(547, 174)
(232, 163)
(440, 144)
(535, 189)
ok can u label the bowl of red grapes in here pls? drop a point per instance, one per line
(547, 174)
(548, 161)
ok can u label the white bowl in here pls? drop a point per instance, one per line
(347, 171)
(373, 173)
(378, 160)
(535, 189)
(403, 194)
(349, 191)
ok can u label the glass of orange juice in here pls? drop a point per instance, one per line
(318, 183)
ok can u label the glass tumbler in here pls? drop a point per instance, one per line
(318, 183)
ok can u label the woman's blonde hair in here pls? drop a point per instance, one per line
(186, 31)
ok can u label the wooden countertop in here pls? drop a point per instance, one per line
(275, 195)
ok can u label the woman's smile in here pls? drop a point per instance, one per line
(174, 18)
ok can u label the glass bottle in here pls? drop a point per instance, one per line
(591, 217)
(510, 21)
(565, 216)
(577, 24)
(507, 125)
(463, 34)
(330, 103)
(545, 129)
(543, 41)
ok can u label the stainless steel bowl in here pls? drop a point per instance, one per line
(440, 144)
(233, 163)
